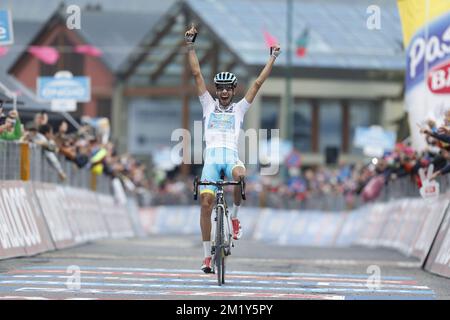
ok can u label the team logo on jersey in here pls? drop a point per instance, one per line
(221, 121)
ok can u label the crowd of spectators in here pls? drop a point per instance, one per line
(354, 184)
(87, 147)
(90, 147)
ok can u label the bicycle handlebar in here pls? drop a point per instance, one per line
(197, 183)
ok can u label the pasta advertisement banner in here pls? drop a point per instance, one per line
(426, 36)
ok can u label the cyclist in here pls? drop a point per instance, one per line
(223, 120)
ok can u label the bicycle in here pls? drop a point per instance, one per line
(221, 248)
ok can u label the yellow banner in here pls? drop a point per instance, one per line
(414, 14)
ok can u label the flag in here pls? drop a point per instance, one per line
(88, 50)
(3, 51)
(302, 43)
(48, 55)
(270, 39)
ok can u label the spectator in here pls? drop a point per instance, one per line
(12, 128)
(44, 138)
(41, 118)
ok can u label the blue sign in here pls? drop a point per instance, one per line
(75, 88)
(375, 137)
(6, 29)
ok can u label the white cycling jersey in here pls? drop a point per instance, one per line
(222, 126)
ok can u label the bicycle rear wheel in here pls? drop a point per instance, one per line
(219, 254)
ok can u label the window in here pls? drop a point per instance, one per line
(104, 107)
(330, 124)
(270, 108)
(362, 114)
(303, 128)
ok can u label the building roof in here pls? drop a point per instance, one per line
(25, 96)
(115, 34)
(232, 38)
(24, 31)
(339, 37)
(41, 10)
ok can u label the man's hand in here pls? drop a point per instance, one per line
(257, 84)
(435, 175)
(13, 114)
(275, 51)
(444, 130)
(191, 35)
(425, 131)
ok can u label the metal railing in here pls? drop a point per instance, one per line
(332, 201)
(19, 164)
(9, 161)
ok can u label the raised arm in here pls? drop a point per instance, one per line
(190, 36)
(251, 93)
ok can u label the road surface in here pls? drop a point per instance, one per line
(167, 267)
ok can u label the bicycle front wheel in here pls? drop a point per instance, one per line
(219, 254)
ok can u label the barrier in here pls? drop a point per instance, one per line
(439, 258)
(375, 221)
(352, 226)
(117, 221)
(408, 225)
(43, 213)
(175, 220)
(84, 215)
(249, 220)
(311, 228)
(434, 214)
(52, 200)
(132, 210)
(148, 218)
(23, 230)
(270, 226)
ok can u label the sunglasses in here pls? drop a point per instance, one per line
(226, 87)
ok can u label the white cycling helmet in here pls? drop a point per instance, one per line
(225, 78)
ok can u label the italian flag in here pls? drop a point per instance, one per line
(302, 43)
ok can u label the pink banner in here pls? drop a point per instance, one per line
(3, 51)
(88, 50)
(48, 55)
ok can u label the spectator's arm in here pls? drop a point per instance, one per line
(443, 171)
(442, 137)
(54, 162)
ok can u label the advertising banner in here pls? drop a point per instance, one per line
(6, 28)
(426, 36)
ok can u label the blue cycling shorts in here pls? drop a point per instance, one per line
(217, 159)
